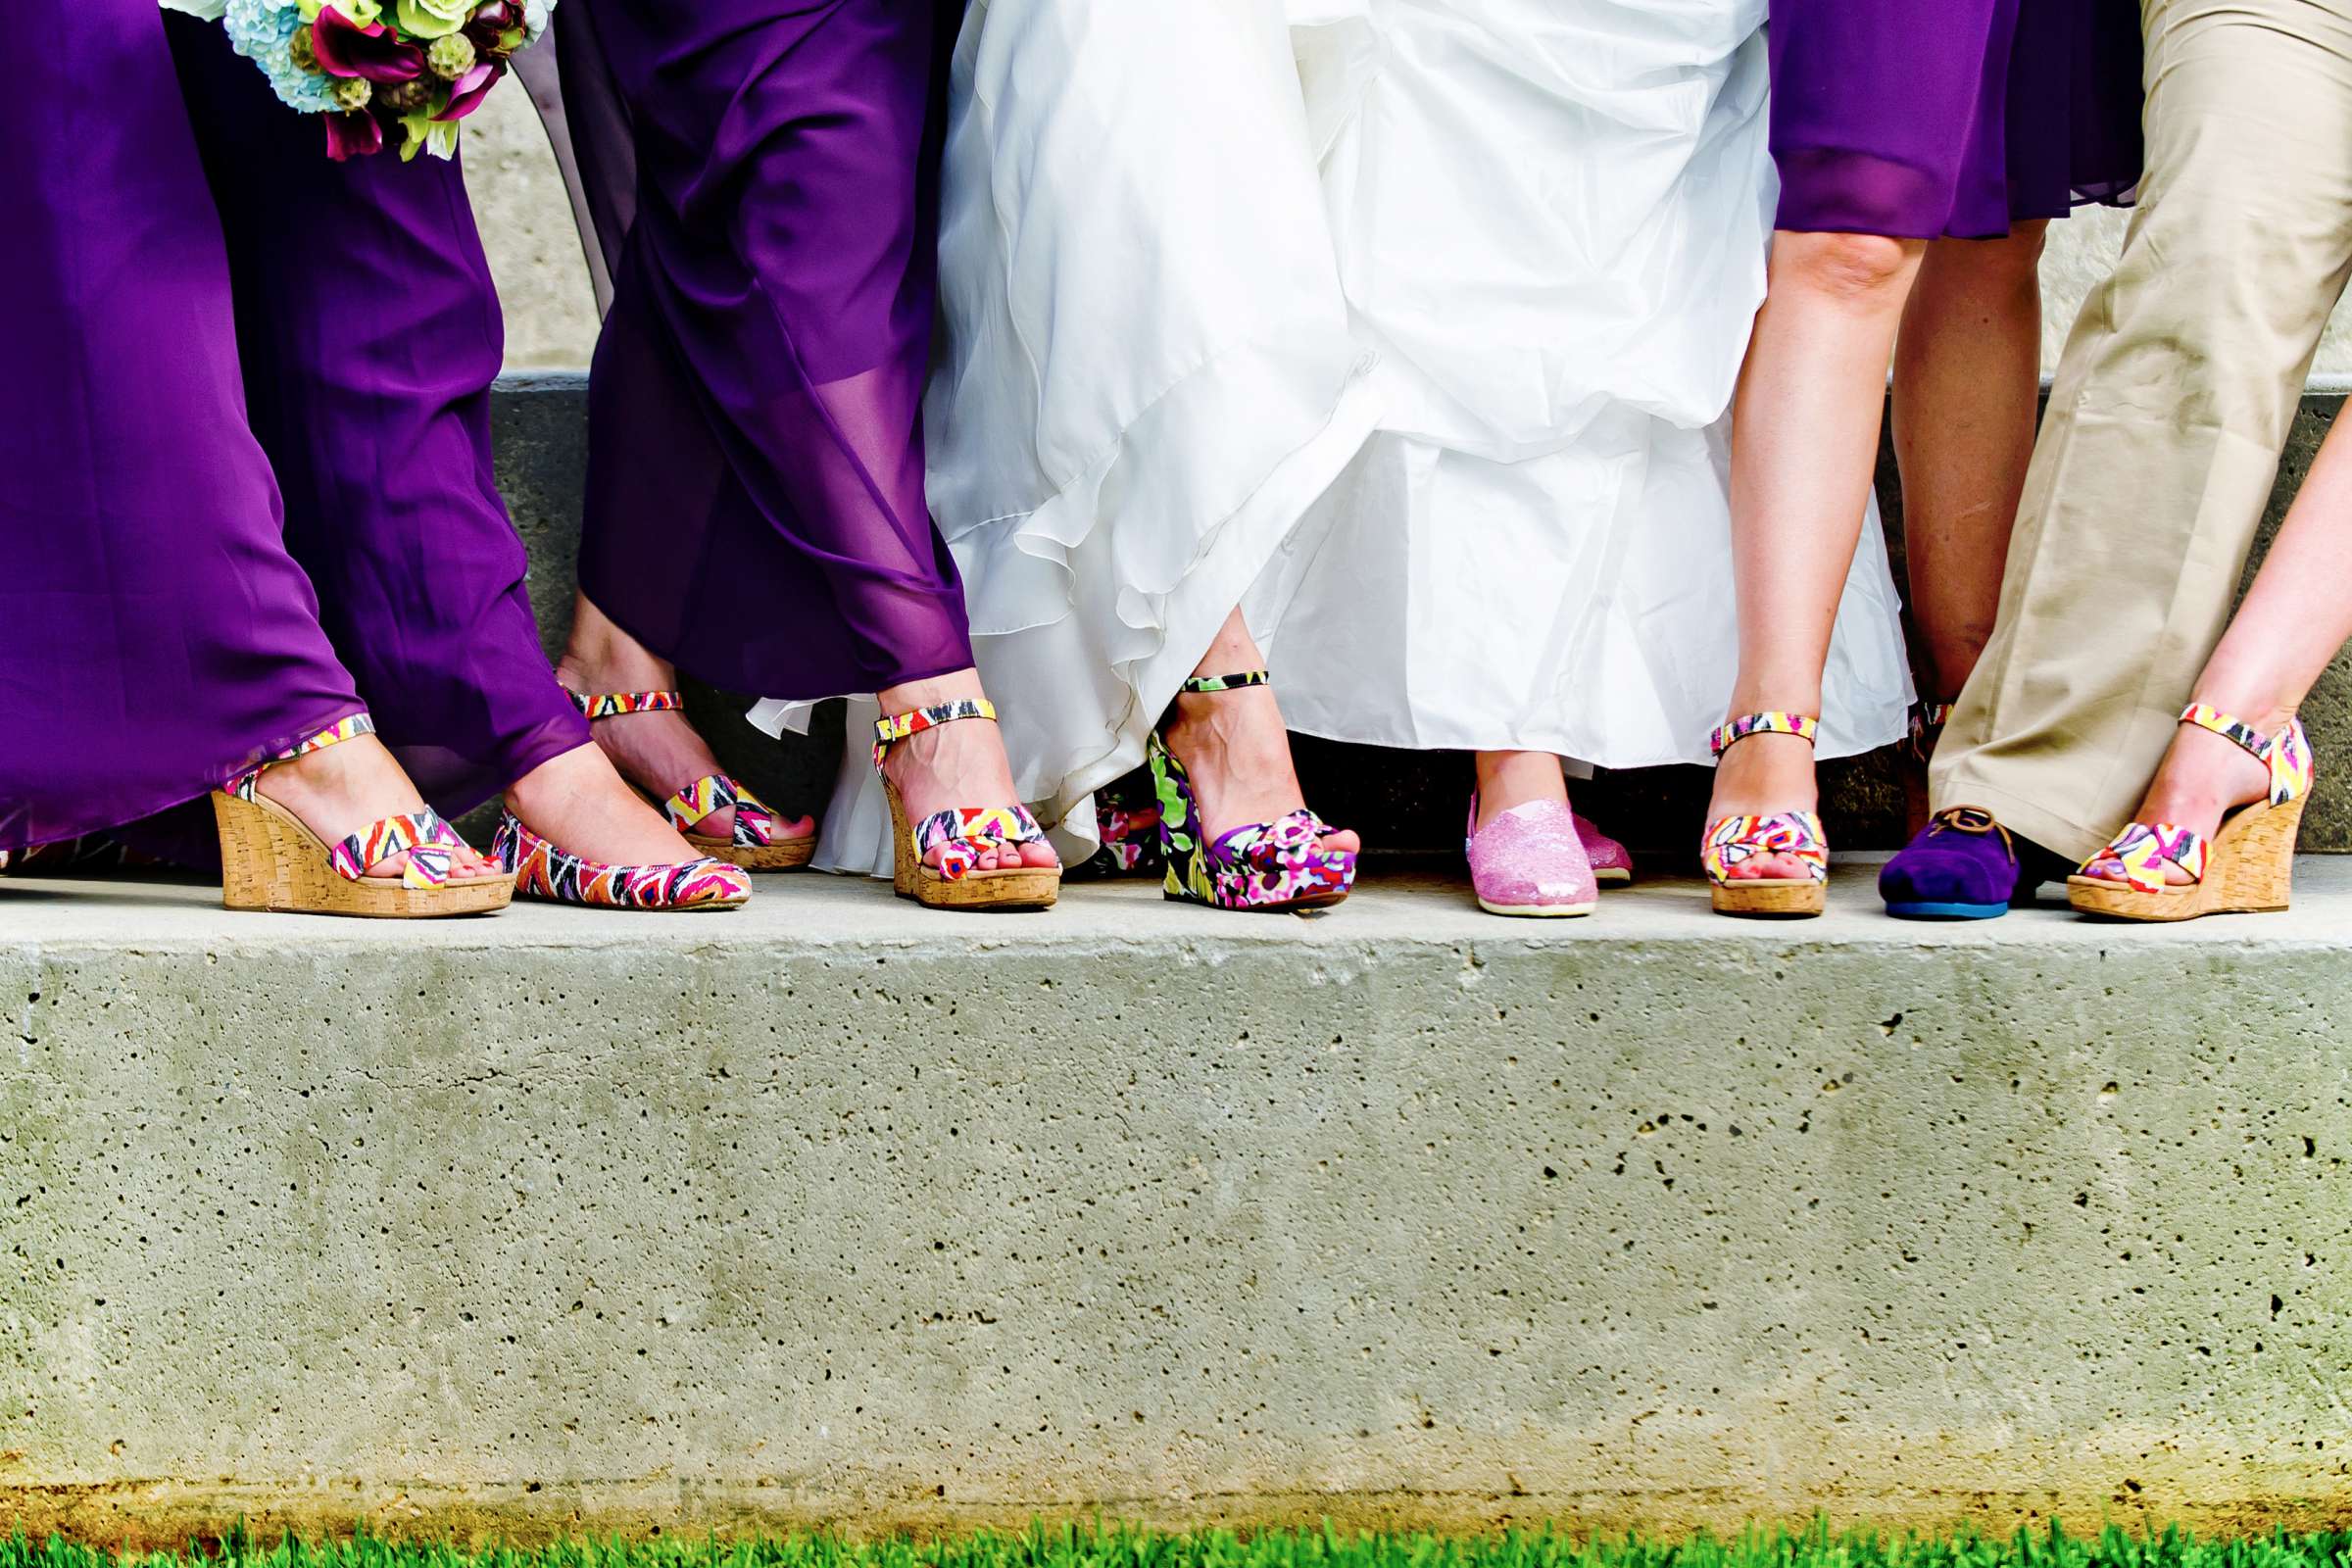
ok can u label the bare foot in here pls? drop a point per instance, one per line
(346, 788)
(659, 752)
(955, 766)
(579, 803)
(1765, 775)
(1509, 780)
(2202, 779)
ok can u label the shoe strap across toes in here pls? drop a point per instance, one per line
(2143, 850)
(707, 797)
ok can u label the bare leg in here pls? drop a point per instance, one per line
(953, 764)
(661, 753)
(2294, 619)
(1507, 780)
(342, 789)
(1805, 440)
(1234, 746)
(1967, 369)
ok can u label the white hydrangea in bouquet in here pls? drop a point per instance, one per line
(372, 68)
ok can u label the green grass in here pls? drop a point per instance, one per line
(1059, 1546)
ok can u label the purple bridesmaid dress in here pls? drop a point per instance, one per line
(154, 633)
(371, 335)
(1933, 119)
(762, 177)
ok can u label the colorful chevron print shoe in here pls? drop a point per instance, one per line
(1266, 866)
(760, 841)
(960, 834)
(1733, 842)
(271, 859)
(542, 870)
(2246, 867)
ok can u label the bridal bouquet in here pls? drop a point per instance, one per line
(370, 66)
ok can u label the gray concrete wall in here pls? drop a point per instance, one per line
(834, 1212)
(551, 318)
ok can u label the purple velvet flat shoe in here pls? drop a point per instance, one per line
(1963, 865)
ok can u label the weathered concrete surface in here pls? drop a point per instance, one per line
(833, 1211)
(1398, 800)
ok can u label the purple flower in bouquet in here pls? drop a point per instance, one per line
(346, 49)
(354, 135)
(466, 93)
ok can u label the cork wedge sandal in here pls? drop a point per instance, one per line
(271, 859)
(961, 834)
(1732, 841)
(756, 843)
(2248, 867)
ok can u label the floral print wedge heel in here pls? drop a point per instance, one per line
(1266, 866)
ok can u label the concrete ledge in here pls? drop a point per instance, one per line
(833, 1211)
(1398, 800)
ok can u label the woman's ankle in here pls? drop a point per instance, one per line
(2202, 778)
(956, 685)
(599, 654)
(1507, 780)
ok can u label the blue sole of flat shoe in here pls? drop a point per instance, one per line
(1946, 911)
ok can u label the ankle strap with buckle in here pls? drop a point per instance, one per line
(889, 731)
(1202, 685)
(1731, 730)
(346, 729)
(2287, 753)
(612, 705)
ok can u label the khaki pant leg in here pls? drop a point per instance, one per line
(2172, 405)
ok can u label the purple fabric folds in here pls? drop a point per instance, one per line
(371, 335)
(763, 180)
(1928, 118)
(154, 633)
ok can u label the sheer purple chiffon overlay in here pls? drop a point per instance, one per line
(763, 184)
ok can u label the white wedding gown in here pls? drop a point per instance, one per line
(1409, 324)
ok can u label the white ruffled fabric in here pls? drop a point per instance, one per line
(1411, 327)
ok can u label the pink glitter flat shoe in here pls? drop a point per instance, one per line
(1530, 861)
(1613, 862)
